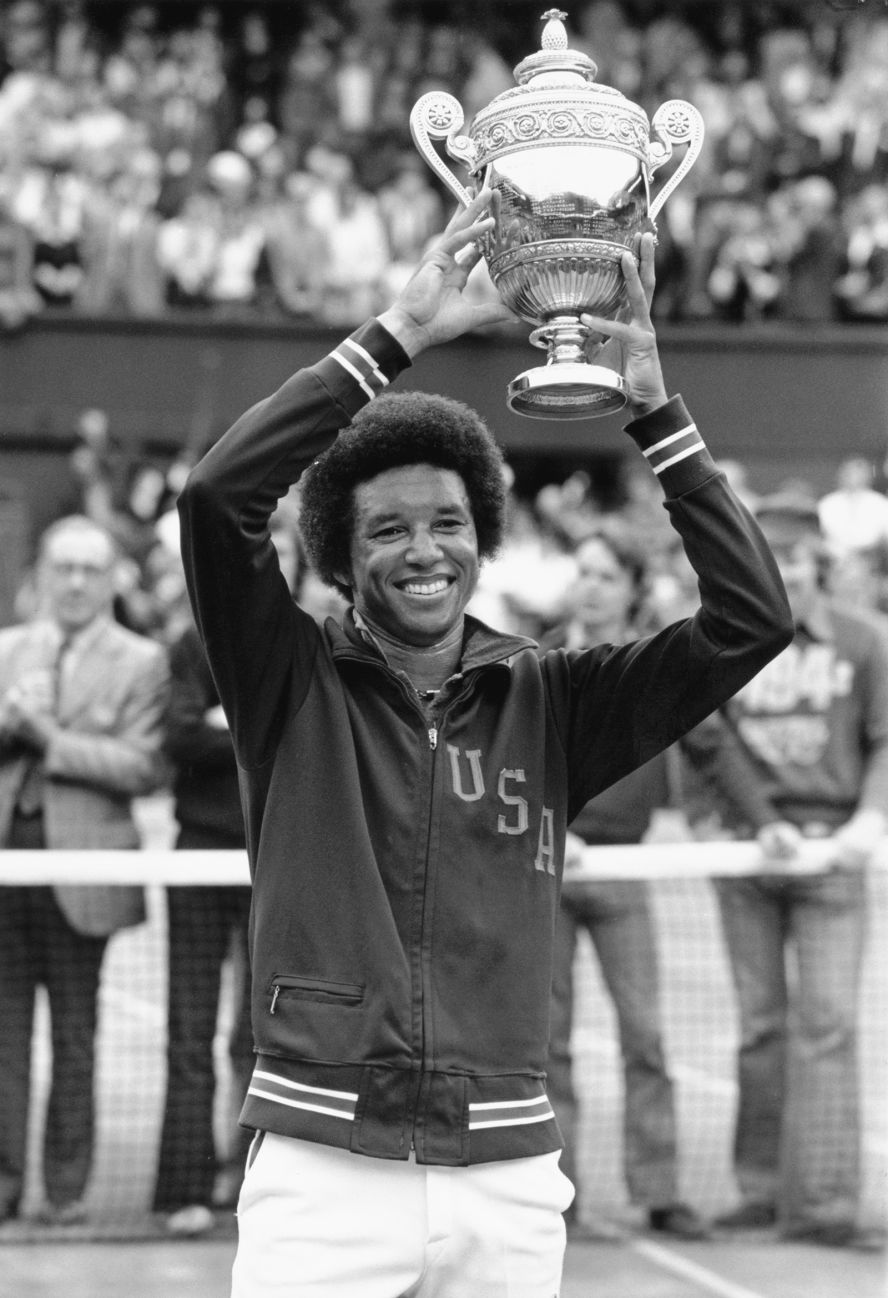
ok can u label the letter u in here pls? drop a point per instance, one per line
(474, 756)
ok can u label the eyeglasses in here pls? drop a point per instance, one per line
(64, 568)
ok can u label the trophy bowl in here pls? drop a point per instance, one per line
(570, 165)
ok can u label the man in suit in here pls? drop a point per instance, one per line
(81, 708)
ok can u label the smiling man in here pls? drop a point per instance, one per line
(407, 777)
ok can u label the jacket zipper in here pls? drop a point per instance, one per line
(432, 731)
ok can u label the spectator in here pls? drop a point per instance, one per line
(745, 280)
(205, 924)
(814, 724)
(357, 251)
(607, 606)
(854, 515)
(862, 286)
(81, 705)
(19, 300)
(805, 235)
(412, 213)
(523, 587)
(187, 250)
(50, 202)
(307, 99)
(119, 245)
(234, 282)
(296, 249)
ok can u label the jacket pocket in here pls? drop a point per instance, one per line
(319, 990)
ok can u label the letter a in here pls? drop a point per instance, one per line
(545, 857)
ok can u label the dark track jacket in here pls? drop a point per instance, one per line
(406, 868)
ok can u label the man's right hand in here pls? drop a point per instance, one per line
(431, 307)
(780, 840)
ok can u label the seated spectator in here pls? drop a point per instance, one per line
(241, 237)
(50, 202)
(744, 282)
(804, 233)
(187, 248)
(122, 270)
(19, 300)
(307, 95)
(862, 287)
(357, 250)
(412, 213)
(296, 249)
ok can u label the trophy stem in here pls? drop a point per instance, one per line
(564, 338)
(567, 386)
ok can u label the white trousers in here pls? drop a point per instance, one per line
(318, 1222)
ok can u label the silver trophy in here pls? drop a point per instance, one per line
(570, 165)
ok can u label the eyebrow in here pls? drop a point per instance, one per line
(392, 515)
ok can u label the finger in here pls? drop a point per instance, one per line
(457, 238)
(636, 291)
(609, 328)
(647, 248)
(467, 213)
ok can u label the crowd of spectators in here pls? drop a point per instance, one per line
(256, 161)
(527, 588)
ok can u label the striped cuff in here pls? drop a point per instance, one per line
(669, 441)
(362, 366)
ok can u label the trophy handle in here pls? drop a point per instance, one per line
(675, 122)
(438, 116)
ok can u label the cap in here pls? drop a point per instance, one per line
(788, 516)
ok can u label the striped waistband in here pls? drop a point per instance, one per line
(387, 1112)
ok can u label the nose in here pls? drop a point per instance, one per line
(424, 547)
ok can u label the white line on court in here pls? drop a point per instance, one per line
(699, 1275)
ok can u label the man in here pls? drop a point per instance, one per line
(611, 598)
(81, 706)
(854, 515)
(814, 724)
(407, 778)
(204, 923)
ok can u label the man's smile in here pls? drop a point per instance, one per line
(424, 586)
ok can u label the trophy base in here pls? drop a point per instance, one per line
(567, 390)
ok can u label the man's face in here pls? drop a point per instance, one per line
(414, 552)
(604, 590)
(77, 577)
(797, 561)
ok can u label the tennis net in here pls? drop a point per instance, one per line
(698, 1009)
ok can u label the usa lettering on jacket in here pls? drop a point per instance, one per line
(467, 782)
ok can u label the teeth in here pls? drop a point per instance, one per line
(425, 587)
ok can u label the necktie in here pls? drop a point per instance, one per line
(30, 795)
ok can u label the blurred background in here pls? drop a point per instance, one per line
(197, 198)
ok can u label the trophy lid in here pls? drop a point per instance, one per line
(555, 62)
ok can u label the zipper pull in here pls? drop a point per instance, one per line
(433, 737)
(275, 994)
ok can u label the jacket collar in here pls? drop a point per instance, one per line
(482, 645)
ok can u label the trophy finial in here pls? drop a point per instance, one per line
(554, 35)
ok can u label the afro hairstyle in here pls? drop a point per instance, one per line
(395, 430)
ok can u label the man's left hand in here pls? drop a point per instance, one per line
(856, 840)
(27, 710)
